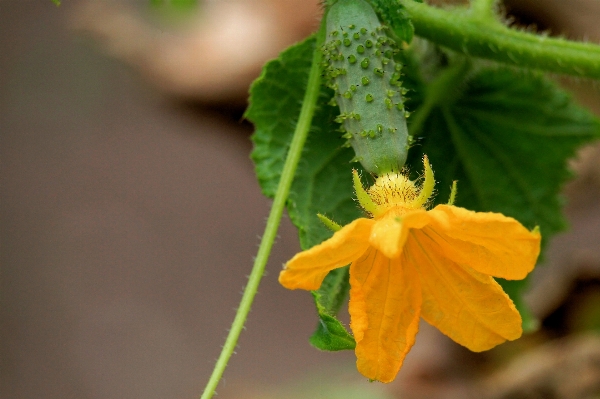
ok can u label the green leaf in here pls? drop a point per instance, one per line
(515, 290)
(323, 181)
(331, 334)
(393, 14)
(334, 290)
(329, 298)
(506, 137)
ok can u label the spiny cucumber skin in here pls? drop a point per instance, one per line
(360, 68)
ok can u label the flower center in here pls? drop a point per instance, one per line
(395, 191)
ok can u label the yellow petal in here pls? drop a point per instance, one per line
(307, 269)
(490, 243)
(468, 306)
(389, 233)
(385, 299)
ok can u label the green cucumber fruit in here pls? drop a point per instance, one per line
(360, 68)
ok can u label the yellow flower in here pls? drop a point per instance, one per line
(407, 262)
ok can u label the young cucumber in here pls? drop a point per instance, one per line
(360, 68)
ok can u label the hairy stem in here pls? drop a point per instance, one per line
(287, 175)
(467, 33)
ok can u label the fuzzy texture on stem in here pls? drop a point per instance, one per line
(468, 33)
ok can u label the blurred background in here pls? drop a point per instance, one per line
(130, 215)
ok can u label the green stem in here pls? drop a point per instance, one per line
(287, 175)
(483, 9)
(463, 32)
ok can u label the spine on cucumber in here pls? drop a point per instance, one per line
(360, 68)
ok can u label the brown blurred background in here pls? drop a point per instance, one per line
(130, 215)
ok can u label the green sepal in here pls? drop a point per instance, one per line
(361, 194)
(330, 224)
